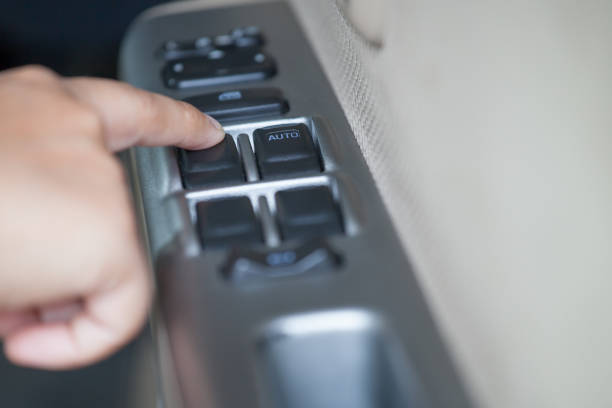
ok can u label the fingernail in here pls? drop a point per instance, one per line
(215, 123)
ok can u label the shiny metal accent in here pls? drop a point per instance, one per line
(270, 228)
(248, 158)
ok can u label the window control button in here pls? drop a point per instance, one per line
(285, 151)
(219, 164)
(241, 103)
(227, 222)
(312, 257)
(307, 212)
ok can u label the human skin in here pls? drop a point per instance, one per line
(74, 284)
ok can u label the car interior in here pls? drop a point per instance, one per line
(410, 208)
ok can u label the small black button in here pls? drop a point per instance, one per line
(243, 42)
(241, 103)
(247, 37)
(181, 49)
(252, 31)
(228, 222)
(307, 212)
(219, 164)
(202, 43)
(175, 49)
(285, 150)
(313, 257)
(224, 41)
(219, 67)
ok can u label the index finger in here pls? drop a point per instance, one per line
(131, 116)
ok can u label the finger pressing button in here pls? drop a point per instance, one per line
(219, 164)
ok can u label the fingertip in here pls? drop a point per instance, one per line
(46, 346)
(133, 116)
(210, 133)
(217, 134)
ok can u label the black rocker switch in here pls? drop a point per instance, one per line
(216, 165)
(227, 222)
(307, 212)
(285, 151)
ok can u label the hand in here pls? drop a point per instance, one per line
(74, 285)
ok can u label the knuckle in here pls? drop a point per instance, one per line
(192, 120)
(36, 73)
(147, 103)
(87, 120)
(190, 113)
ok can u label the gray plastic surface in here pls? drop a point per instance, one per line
(217, 342)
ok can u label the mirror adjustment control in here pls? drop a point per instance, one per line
(241, 103)
(285, 151)
(312, 257)
(180, 49)
(227, 222)
(219, 164)
(219, 67)
(307, 212)
(240, 37)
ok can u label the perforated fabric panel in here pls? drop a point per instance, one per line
(487, 126)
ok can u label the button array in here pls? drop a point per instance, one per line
(277, 152)
(219, 67)
(303, 213)
(280, 152)
(227, 58)
(242, 37)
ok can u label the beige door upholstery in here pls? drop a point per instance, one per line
(488, 127)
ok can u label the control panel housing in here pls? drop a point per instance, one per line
(281, 280)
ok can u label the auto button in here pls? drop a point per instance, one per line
(285, 151)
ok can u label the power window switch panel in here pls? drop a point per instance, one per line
(228, 221)
(216, 165)
(283, 151)
(307, 212)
